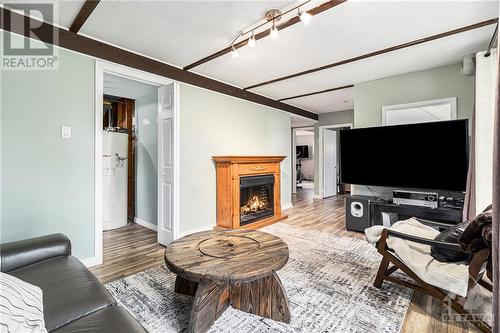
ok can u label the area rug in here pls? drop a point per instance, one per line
(328, 280)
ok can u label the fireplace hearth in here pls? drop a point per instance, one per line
(248, 191)
(256, 198)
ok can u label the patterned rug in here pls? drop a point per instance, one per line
(328, 281)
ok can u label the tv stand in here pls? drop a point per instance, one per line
(448, 216)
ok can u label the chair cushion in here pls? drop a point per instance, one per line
(70, 291)
(110, 320)
(452, 276)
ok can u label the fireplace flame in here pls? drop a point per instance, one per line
(254, 205)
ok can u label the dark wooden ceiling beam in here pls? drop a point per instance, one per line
(379, 52)
(316, 92)
(14, 22)
(84, 13)
(294, 20)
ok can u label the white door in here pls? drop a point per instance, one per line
(166, 164)
(329, 163)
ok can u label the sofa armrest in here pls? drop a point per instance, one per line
(434, 224)
(29, 251)
(425, 241)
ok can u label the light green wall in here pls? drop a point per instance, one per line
(215, 124)
(48, 182)
(335, 118)
(330, 118)
(435, 83)
(146, 157)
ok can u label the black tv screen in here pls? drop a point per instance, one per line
(302, 151)
(424, 156)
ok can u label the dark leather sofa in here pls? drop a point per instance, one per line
(73, 299)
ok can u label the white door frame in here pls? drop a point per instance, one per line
(320, 154)
(102, 67)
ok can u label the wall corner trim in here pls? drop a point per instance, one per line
(92, 261)
(287, 205)
(146, 224)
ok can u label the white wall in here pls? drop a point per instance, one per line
(307, 163)
(486, 71)
(214, 124)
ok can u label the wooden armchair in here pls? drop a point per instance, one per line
(457, 304)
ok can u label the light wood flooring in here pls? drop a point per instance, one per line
(133, 249)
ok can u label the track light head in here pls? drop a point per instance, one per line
(252, 41)
(305, 17)
(234, 52)
(274, 32)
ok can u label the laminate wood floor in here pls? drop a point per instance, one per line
(133, 248)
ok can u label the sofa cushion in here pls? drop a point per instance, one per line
(110, 320)
(70, 291)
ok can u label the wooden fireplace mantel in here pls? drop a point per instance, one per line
(248, 159)
(229, 169)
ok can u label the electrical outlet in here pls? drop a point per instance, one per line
(65, 132)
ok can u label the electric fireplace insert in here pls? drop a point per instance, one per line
(256, 198)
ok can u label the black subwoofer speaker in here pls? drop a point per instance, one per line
(357, 212)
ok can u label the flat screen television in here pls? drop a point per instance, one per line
(302, 151)
(423, 156)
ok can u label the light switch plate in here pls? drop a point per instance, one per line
(66, 132)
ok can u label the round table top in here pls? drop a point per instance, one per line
(236, 255)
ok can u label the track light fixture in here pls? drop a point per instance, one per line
(305, 17)
(252, 41)
(271, 15)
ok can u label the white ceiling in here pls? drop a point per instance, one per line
(122, 87)
(337, 100)
(181, 32)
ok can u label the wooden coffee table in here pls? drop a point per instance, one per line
(234, 267)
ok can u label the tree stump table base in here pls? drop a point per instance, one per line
(230, 268)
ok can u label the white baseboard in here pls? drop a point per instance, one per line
(317, 196)
(287, 206)
(192, 231)
(146, 224)
(92, 261)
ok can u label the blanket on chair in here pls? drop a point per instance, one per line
(452, 277)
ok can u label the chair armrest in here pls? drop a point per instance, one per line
(426, 241)
(434, 224)
(29, 251)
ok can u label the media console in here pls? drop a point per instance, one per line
(365, 211)
(448, 216)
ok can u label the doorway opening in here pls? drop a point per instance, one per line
(136, 161)
(304, 155)
(129, 147)
(329, 171)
